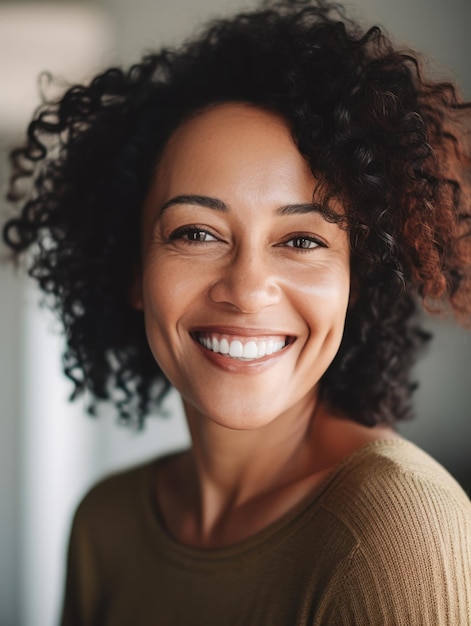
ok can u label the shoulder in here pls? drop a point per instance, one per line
(124, 496)
(105, 527)
(394, 483)
(411, 524)
(391, 463)
(116, 490)
(115, 516)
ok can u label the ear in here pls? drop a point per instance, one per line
(135, 297)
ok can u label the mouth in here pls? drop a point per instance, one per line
(243, 348)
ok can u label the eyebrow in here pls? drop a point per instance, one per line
(218, 205)
(204, 201)
(299, 209)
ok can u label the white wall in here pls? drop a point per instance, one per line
(9, 445)
(49, 451)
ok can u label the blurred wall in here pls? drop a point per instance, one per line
(49, 451)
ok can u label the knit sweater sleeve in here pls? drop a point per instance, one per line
(412, 562)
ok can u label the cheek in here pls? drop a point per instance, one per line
(166, 287)
(161, 310)
(325, 290)
(170, 292)
(323, 306)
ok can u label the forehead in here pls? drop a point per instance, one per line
(232, 121)
(231, 145)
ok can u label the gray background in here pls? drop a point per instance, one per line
(50, 452)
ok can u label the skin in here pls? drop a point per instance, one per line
(233, 248)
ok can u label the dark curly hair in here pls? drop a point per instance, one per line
(391, 144)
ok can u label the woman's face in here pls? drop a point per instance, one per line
(244, 285)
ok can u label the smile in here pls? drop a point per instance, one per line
(242, 348)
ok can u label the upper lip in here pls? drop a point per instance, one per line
(242, 331)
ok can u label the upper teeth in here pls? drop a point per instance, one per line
(234, 348)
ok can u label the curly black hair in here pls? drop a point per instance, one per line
(388, 142)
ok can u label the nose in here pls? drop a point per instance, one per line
(247, 282)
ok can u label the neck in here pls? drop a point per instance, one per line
(235, 482)
(235, 467)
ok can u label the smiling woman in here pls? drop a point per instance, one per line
(233, 241)
(255, 219)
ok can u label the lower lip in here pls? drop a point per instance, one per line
(242, 367)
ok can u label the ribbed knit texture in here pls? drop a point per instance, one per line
(386, 540)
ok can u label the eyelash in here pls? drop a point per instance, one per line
(184, 232)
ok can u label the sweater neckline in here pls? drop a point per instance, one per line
(169, 547)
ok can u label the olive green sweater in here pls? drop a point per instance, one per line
(385, 540)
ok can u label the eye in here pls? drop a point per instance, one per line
(304, 242)
(192, 234)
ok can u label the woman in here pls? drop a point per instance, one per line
(254, 218)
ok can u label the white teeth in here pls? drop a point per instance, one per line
(224, 346)
(236, 349)
(253, 349)
(250, 350)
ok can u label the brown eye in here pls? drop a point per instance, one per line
(197, 235)
(193, 235)
(304, 243)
